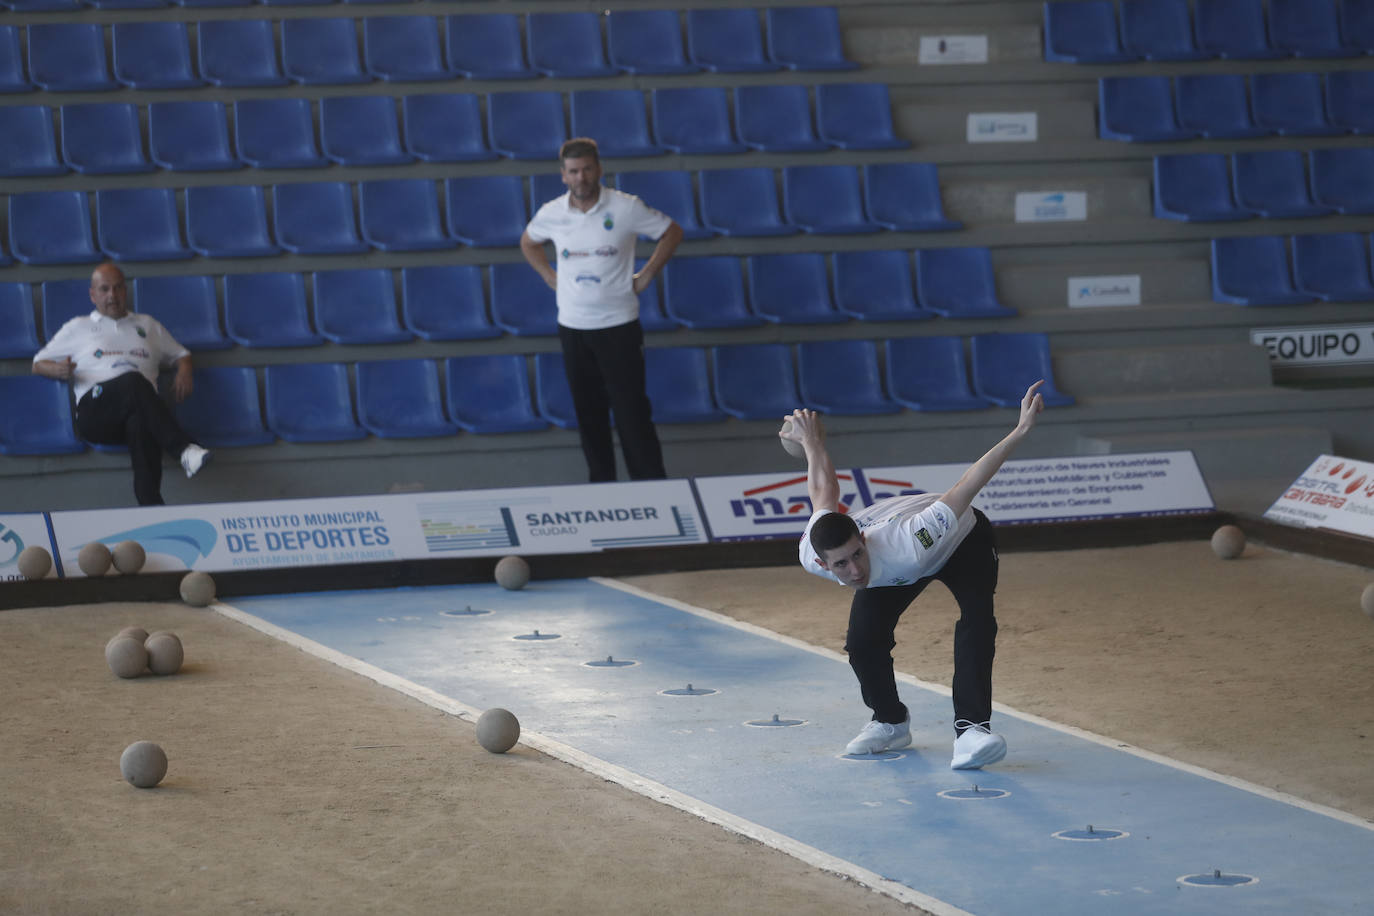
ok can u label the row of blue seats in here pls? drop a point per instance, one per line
(405, 398)
(403, 214)
(70, 57)
(1199, 187)
(1086, 31)
(107, 138)
(1258, 270)
(1146, 109)
(359, 306)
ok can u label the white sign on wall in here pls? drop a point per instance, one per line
(1322, 344)
(1051, 206)
(1333, 493)
(953, 49)
(1086, 292)
(18, 531)
(1003, 127)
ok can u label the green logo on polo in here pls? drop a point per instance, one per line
(142, 333)
(609, 223)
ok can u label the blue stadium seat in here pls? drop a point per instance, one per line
(1357, 23)
(741, 202)
(551, 391)
(357, 306)
(1158, 30)
(64, 300)
(316, 217)
(521, 302)
(399, 399)
(755, 381)
(222, 410)
(190, 137)
(403, 48)
(930, 373)
(276, 134)
(12, 77)
(958, 283)
(186, 306)
(1083, 32)
(490, 393)
(486, 211)
(526, 125)
(126, 4)
(678, 383)
(1344, 179)
(1350, 100)
(856, 116)
(201, 3)
(228, 221)
(38, 417)
(905, 196)
(777, 119)
(68, 57)
(651, 316)
(322, 52)
(1216, 105)
(153, 55)
(616, 118)
(792, 288)
(310, 402)
(567, 45)
(544, 187)
(1307, 28)
(103, 138)
(1253, 271)
(707, 293)
(1291, 104)
(1273, 183)
(876, 286)
(139, 224)
(646, 41)
(1233, 29)
(825, 199)
(1195, 187)
(27, 147)
(695, 119)
(842, 377)
(51, 227)
(268, 310)
(1333, 267)
(445, 127)
(445, 302)
(727, 40)
(344, 142)
(402, 214)
(1140, 109)
(486, 46)
(238, 52)
(806, 38)
(18, 327)
(670, 192)
(1005, 365)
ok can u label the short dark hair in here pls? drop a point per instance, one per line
(579, 148)
(834, 529)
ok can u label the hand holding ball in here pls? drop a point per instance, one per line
(791, 446)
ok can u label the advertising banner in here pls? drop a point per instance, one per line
(952, 49)
(1003, 127)
(1092, 292)
(1051, 206)
(18, 531)
(1333, 493)
(1321, 344)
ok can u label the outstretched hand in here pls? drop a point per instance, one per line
(1031, 406)
(806, 427)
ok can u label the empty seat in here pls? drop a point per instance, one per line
(27, 146)
(18, 327)
(153, 55)
(521, 302)
(1158, 30)
(1273, 183)
(268, 310)
(1005, 365)
(1350, 100)
(403, 48)
(1334, 267)
(139, 224)
(647, 41)
(526, 125)
(402, 214)
(544, 187)
(1291, 104)
(322, 51)
(905, 196)
(68, 57)
(238, 52)
(551, 391)
(1140, 109)
(486, 211)
(64, 300)
(678, 383)
(567, 45)
(825, 199)
(1194, 186)
(755, 381)
(276, 134)
(186, 306)
(357, 306)
(37, 419)
(707, 293)
(741, 202)
(958, 283)
(310, 402)
(1083, 32)
(1216, 105)
(445, 127)
(695, 119)
(228, 221)
(842, 377)
(876, 286)
(1233, 29)
(727, 40)
(222, 409)
(856, 116)
(806, 38)
(616, 118)
(930, 373)
(41, 6)
(316, 218)
(190, 136)
(1344, 179)
(792, 288)
(399, 399)
(490, 393)
(445, 302)
(51, 227)
(777, 119)
(12, 77)
(1305, 28)
(1253, 271)
(670, 192)
(345, 141)
(1357, 23)
(486, 46)
(103, 138)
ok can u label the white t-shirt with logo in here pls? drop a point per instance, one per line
(104, 348)
(908, 538)
(595, 252)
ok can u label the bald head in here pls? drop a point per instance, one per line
(108, 293)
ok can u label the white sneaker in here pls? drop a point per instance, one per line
(193, 458)
(877, 737)
(977, 747)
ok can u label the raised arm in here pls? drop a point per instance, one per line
(821, 483)
(960, 496)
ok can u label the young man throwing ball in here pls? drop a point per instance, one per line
(888, 553)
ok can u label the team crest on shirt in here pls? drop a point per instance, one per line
(99, 353)
(566, 254)
(924, 537)
(141, 332)
(608, 222)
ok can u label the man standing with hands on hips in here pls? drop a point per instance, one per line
(593, 229)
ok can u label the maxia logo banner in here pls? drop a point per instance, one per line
(1051, 206)
(770, 505)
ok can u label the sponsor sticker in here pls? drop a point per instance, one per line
(1333, 493)
(1086, 292)
(1312, 345)
(1051, 206)
(953, 49)
(924, 537)
(1003, 127)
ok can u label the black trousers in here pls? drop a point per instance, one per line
(971, 575)
(605, 370)
(128, 411)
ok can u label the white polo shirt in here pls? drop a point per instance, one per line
(104, 348)
(908, 538)
(595, 255)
